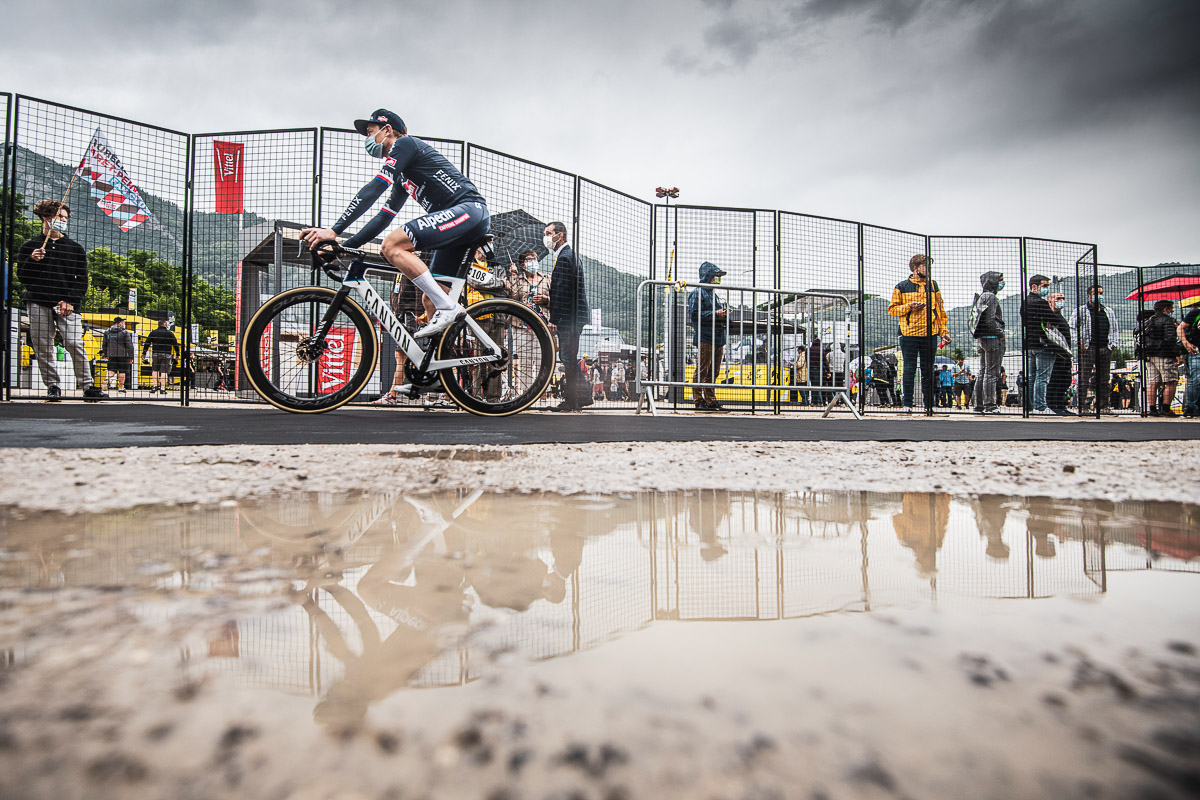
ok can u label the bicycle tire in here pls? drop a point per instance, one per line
(499, 389)
(295, 383)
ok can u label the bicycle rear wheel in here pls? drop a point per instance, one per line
(293, 372)
(518, 379)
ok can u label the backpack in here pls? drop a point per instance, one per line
(980, 305)
(1149, 338)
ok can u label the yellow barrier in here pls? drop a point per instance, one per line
(745, 374)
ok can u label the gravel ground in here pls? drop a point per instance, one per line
(1072, 698)
(90, 480)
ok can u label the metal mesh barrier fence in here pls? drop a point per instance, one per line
(523, 198)
(885, 258)
(614, 251)
(123, 249)
(206, 258)
(1178, 284)
(1060, 261)
(959, 264)
(6, 213)
(235, 259)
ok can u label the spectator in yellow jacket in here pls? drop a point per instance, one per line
(922, 328)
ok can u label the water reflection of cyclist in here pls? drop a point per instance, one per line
(456, 214)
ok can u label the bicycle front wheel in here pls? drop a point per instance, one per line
(518, 379)
(291, 369)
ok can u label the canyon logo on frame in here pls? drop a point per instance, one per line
(227, 167)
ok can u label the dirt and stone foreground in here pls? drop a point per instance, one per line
(1097, 700)
(92, 480)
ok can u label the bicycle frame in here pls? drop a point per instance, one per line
(377, 307)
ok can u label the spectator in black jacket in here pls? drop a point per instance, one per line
(162, 344)
(53, 268)
(120, 349)
(569, 312)
(1035, 315)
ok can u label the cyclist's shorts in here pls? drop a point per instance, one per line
(449, 233)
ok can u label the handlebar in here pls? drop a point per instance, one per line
(328, 254)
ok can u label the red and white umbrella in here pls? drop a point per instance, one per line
(1172, 288)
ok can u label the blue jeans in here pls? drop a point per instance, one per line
(1191, 398)
(915, 348)
(1042, 360)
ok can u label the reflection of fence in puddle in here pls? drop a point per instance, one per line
(588, 569)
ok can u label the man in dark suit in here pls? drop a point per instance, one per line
(569, 312)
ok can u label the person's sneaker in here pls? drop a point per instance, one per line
(53, 394)
(992, 410)
(906, 410)
(565, 406)
(440, 320)
(1062, 412)
(94, 393)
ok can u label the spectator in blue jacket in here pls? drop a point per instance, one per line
(706, 313)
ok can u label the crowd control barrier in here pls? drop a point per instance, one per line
(778, 348)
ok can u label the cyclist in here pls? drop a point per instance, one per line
(456, 215)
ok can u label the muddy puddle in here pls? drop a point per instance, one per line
(692, 643)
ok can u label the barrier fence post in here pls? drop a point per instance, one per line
(7, 222)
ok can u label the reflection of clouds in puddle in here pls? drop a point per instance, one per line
(392, 591)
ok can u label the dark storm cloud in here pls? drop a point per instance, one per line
(1105, 60)
(888, 14)
(1074, 60)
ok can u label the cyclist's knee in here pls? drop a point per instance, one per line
(396, 242)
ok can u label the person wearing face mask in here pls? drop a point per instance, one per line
(1036, 314)
(988, 329)
(525, 282)
(917, 305)
(1058, 391)
(707, 315)
(53, 269)
(456, 215)
(1095, 327)
(569, 312)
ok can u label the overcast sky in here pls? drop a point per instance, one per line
(1063, 119)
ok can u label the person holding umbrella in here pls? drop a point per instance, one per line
(1189, 333)
(1162, 358)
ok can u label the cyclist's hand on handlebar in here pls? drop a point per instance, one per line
(314, 236)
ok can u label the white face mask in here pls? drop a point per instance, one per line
(531, 266)
(548, 241)
(59, 225)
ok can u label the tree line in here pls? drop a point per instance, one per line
(159, 283)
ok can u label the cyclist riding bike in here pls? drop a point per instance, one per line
(456, 215)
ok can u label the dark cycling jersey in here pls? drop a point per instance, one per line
(412, 169)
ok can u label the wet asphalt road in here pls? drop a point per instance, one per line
(75, 424)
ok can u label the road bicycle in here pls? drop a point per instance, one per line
(313, 348)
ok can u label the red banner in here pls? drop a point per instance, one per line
(333, 370)
(227, 167)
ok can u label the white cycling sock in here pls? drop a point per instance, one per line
(437, 295)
